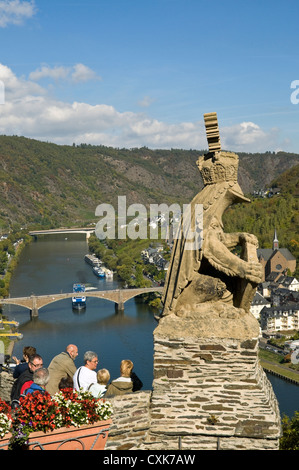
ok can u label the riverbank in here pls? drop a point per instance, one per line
(11, 249)
(12, 263)
(280, 371)
(272, 363)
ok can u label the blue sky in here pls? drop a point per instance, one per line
(134, 73)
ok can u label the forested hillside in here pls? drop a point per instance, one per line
(47, 185)
(262, 216)
(44, 185)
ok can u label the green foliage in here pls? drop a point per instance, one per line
(262, 216)
(45, 185)
(9, 254)
(156, 303)
(290, 433)
(124, 257)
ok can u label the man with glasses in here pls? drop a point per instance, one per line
(26, 378)
(86, 375)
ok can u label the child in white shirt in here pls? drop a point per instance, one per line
(98, 390)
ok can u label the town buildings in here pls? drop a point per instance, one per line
(280, 318)
(276, 303)
(154, 255)
(275, 260)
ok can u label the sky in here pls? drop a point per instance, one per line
(133, 73)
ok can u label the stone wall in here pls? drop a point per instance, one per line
(211, 395)
(131, 421)
(209, 392)
(6, 382)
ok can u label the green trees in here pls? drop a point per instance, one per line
(10, 249)
(262, 216)
(124, 257)
(43, 185)
(290, 433)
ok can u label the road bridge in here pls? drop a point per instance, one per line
(118, 296)
(86, 230)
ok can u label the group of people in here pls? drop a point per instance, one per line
(31, 375)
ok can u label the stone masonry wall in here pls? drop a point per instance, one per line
(211, 395)
(207, 395)
(131, 421)
(6, 382)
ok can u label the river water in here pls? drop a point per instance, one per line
(53, 264)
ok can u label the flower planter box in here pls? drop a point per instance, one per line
(4, 441)
(87, 437)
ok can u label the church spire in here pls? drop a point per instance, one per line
(275, 242)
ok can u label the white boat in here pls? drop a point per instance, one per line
(93, 260)
(79, 299)
(98, 271)
(108, 273)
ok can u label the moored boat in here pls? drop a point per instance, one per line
(79, 299)
(98, 271)
(109, 273)
(93, 260)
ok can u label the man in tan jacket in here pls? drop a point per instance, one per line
(61, 366)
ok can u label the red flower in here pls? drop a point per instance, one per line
(37, 411)
(5, 409)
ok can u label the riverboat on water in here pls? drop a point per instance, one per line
(98, 271)
(108, 274)
(93, 260)
(102, 272)
(79, 299)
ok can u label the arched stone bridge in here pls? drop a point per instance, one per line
(118, 296)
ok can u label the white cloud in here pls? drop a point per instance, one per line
(247, 137)
(77, 73)
(15, 11)
(146, 101)
(82, 73)
(17, 88)
(57, 73)
(29, 110)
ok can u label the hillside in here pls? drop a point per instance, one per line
(262, 216)
(45, 185)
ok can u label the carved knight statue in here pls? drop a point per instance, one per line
(212, 273)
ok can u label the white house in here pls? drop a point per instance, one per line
(288, 282)
(280, 318)
(257, 304)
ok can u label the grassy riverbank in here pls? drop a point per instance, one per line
(14, 244)
(271, 362)
(10, 251)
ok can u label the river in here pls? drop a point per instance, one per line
(51, 265)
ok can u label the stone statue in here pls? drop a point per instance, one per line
(213, 273)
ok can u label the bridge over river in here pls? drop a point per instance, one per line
(86, 230)
(118, 296)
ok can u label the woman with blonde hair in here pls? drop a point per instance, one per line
(122, 384)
